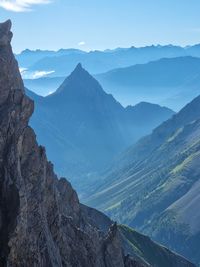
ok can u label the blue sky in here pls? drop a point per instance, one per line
(101, 24)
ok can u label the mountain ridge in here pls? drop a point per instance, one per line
(42, 222)
(91, 120)
(172, 82)
(137, 54)
(154, 185)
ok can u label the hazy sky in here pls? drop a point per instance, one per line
(101, 24)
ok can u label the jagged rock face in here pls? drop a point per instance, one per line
(41, 223)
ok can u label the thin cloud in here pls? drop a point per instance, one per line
(26, 74)
(40, 74)
(21, 5)
(81, 43)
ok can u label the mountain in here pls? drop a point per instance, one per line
(147, 116)
(41, 219)
(169, 81)
(64, 60)
(83, 128)
(193, 50)
(138, 246)
(29, 57)
(146, 251)
(154, 185)
(44, 86)
(42, 222)
(172, 72)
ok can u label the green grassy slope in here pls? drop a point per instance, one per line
(150, 252)
(154, 186)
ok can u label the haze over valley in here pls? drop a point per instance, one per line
(123, 133)
(99, 133)
(172, 72)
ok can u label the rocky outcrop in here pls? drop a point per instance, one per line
(41, 222)
(140, 247)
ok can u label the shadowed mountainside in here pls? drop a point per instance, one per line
(154, 185)
(41, 220)
(84, 128)
(169, 81)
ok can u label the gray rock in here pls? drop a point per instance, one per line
(41, 222)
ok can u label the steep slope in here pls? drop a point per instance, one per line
(146, 116)
(80, 119)
(140, 247)
(147, 251)
(171, 82)
(42, 223)
(41, 219)
(154, 186)
(45, 85)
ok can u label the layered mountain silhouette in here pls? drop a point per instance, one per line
(29, 57)
(64, 60)
(169, 81)
(45, 85)
(42, 223)
(84, 128)
(154, 185)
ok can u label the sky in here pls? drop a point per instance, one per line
(101, 24)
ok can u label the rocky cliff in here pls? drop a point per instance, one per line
(41, 222)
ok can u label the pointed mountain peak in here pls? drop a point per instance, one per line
(79, 70)
(81, 82)
(5, 26)
(78, 67)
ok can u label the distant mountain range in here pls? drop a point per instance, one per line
(83, 128)
(64, 60)
(29, 57)
(155, 185)
(172, 82)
